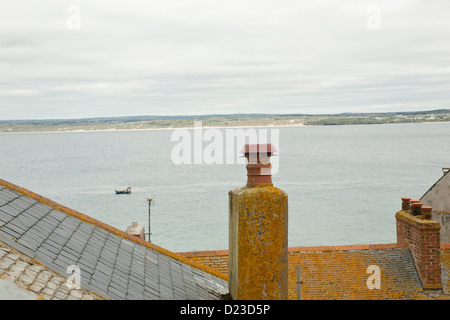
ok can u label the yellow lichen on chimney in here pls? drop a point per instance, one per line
(258, 243)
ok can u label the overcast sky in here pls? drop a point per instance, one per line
(79, 58)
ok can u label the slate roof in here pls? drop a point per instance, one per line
(112, 263)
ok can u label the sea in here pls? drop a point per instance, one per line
(344, 183)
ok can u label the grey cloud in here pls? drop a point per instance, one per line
(175, 57)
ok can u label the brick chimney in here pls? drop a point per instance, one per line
(258, 232)
(416, 230)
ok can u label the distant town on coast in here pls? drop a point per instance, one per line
(219, 121)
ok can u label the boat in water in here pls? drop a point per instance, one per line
(127, 191)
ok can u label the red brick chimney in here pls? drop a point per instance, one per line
(416, 230)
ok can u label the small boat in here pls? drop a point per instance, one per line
(127, 191)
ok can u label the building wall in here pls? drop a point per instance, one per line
(443, 217)
(438, 196)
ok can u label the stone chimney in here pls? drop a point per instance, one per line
(417, 230)
(258, 232)
(136, 230)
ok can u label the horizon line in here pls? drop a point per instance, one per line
(210, 115)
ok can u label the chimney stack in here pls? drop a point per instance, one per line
(258, 232)
(417, 230)
(136, 230)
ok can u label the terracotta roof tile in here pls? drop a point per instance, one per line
(341, 272)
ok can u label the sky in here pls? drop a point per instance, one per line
(77, 59)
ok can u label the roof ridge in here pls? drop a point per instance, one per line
(302, 248)
(111, 229)
(345, 247)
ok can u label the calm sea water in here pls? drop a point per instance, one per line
(344, 182)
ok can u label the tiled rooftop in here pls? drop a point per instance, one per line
(113, 264)
(39, 281)
(341, 272)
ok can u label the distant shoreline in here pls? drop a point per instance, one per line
(156, 129)
(219, 122)
(203, 127)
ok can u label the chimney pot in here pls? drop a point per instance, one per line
(416, 208)
(406, 206)
(258, 167)
(426, 212)
(136, 230)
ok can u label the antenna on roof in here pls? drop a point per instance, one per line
(150, 202)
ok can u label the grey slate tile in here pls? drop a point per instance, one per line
(104, 265)
(79, 238)
(151, 296)
(17, 225)
(69, 253)
(5, 217)
(24, 202)
(89, 256)
(25, 220)
(132, 296)
(100, 232)
(96, 284)
(100, 278)
(166, 292)
(39, 210)
(95, 244)
(116, 294)
(56, 215)
(3, 200)
(10, 231)
(64, 261)
(28, 242)
(49, 221)
(11, 209)
(86, 227)
(45, 257)
(88, 259)
(110, 248)
(9, 194)
(8, 240)
(119, 281)
(136, 284)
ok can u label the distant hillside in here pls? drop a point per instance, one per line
(219, 120)
(128, 118)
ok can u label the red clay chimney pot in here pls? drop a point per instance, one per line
(258, 172)
(416, 208)
(426, 212)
